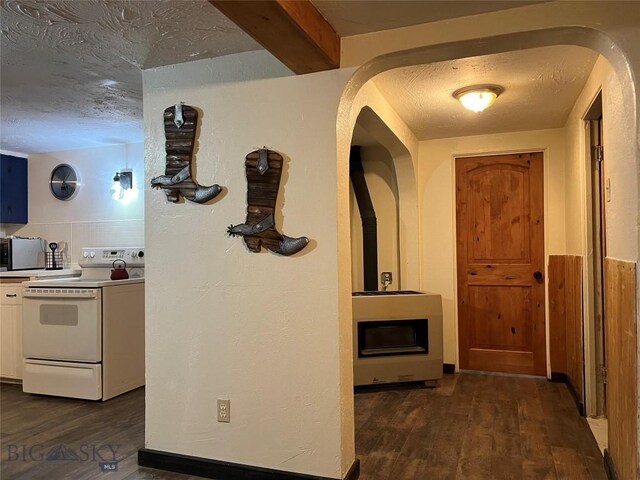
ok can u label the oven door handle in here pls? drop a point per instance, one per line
(60, 293)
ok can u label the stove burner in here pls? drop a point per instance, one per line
(381, 292)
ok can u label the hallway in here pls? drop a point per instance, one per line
(475, 426)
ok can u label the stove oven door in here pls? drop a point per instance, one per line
(62, 324)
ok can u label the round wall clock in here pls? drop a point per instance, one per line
(63, 182)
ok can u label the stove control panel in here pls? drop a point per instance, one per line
(96, 257)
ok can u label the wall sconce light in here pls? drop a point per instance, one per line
(122, 188)
(478, 97)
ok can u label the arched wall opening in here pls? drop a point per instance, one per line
(388, 149)
(624, 215)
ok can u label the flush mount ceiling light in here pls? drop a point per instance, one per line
(478, 97)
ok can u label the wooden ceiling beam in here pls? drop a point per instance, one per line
(293, 31)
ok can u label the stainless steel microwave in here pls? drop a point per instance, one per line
(20, 253)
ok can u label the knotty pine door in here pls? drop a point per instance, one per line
(500, 263)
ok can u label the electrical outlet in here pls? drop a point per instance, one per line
(224, 410)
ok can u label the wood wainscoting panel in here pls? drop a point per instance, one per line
(566, 319)
(621, 349)
(575, 338)
(557, 318)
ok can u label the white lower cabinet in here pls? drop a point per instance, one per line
(11, 331)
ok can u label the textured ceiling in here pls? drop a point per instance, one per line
(353, 17)
(70, 72)
(541, 87)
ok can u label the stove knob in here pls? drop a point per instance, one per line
(141, 253)
(85, 254)
(134, 254)
(92, 254)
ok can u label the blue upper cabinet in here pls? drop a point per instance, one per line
(14, 202)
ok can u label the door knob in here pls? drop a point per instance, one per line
(537, 275)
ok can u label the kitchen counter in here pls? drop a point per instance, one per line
(40, 274)
(81, 282)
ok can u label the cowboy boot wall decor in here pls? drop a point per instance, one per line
(180, 122)
(264, 170)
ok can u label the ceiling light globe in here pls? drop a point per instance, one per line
(479, 98)
(477, 101)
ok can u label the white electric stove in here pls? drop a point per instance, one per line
(83, 337)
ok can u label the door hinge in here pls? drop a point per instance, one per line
(599, 153)
(604, 374)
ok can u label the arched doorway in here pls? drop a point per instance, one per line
(626, 142)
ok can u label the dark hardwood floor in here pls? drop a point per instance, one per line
(470, 427)
(42, 423)
(475, 426)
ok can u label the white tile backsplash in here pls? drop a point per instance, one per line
(51, 232)
(120, 233)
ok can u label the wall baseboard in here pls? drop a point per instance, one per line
(609, 467)
(15, 381)
(560, 377)
(219, 470)
(449, 368)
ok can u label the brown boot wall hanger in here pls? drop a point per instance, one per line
(180, 124)
(263, 169)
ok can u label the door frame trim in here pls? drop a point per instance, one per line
(545, 180)
(588, 328)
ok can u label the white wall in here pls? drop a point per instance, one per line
(379, 173)
(92, 217)
(255, 328)
(616, 20)
(436, 188)
(619, 217)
